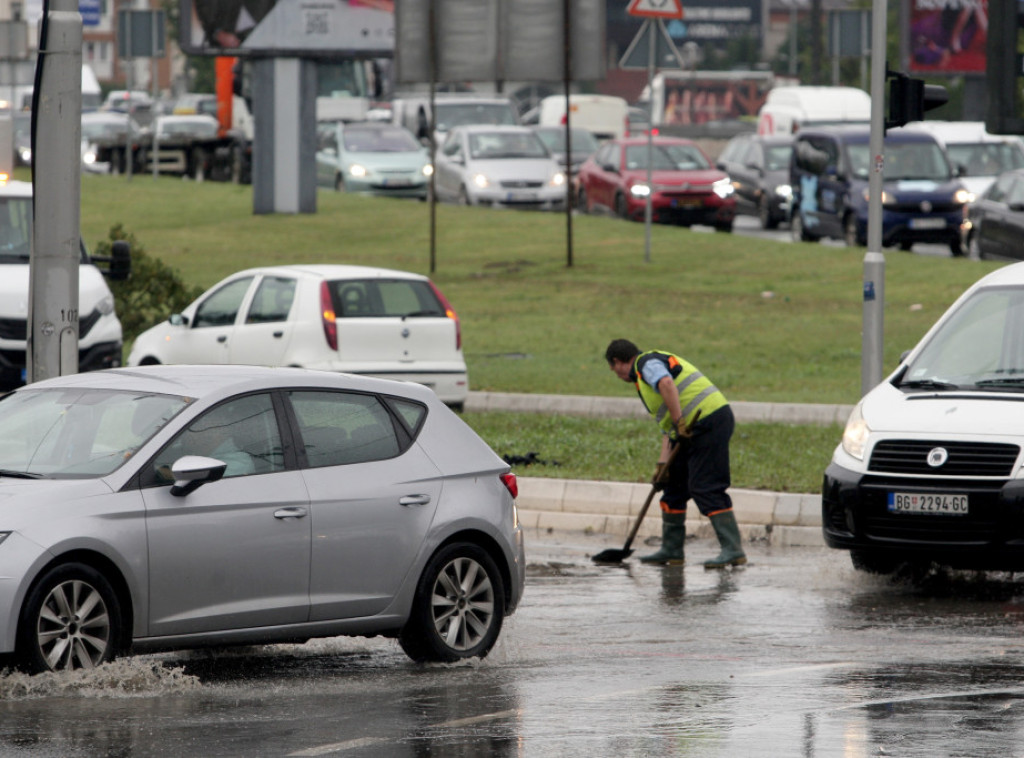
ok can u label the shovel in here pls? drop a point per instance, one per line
(611, 555)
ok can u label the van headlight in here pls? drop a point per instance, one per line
(106, 305)
(427, 169)
(855, 436)
(723, 188)
(784, 191)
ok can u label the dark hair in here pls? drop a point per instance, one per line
(622, 350)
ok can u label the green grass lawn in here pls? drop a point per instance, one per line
(767, 321)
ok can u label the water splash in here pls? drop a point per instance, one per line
(129, 677)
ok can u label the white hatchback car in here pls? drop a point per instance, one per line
(352, 319)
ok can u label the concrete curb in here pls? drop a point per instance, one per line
(610, 508)
(774, 518)
(630, 407)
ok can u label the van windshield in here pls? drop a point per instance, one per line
(16, 231)
(981, 346)
(903, 161)
(986, 158)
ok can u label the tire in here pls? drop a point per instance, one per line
(71, 620)
(725, 227)
(339, 183)
(850, 230)
(764, 214)
(582, 200)
(872, 562)
(621, 206)
(464, 197)
(906, 246)
(449, 621)
(956, 249)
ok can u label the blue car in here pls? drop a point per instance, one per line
(923, 199)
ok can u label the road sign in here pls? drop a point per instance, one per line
(656, 8)
(90, 11)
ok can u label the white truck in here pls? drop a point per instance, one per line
(99, 330)
(787, 109)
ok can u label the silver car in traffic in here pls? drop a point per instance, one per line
(166, 507)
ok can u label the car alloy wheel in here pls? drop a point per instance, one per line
(71, 620)
(459, 606)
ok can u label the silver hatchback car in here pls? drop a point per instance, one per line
(169, 507)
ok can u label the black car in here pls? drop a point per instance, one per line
(759, 168)
(995, 221)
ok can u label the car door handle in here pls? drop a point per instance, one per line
(290, 512)
(222, 338)
(414, 500)
(278, 335)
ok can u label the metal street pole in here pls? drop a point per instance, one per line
(872, 337)
(652, 24)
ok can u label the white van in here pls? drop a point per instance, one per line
(979, 156)
(931, 464)
(787, 109)
(99, 330)
(604, 116)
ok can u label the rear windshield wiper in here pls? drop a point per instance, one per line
(18, 474)
(421, 314)
(929, 384)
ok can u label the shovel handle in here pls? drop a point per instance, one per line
(647, 503)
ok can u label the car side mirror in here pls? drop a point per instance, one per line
(190, 472)
(119, 262)
(178, 319)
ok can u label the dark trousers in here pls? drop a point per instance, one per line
(700, 469)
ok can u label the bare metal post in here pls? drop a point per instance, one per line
(52, 348)
(648, 212)
(567, 62)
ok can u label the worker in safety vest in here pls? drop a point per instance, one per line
(693, 414)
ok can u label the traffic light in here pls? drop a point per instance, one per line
(910, 98)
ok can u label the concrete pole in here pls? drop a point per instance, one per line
(872, 337)
(52, 348)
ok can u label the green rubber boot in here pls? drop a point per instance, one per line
(673, 534)
(729, 537)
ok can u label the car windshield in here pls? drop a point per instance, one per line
(380, 141)
(383, 298)
(980, 346)
(582, 140)
(776, 157)
(450, 115)
(499, 145)
(987, 158)
(905, 160)
(77, 433)
(666, 158)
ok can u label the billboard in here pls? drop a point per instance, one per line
(947, 36)
(321, 28)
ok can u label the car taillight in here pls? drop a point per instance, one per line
(509, 480)
(450, 313)
(327, 314)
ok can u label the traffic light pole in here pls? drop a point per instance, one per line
(872, 337)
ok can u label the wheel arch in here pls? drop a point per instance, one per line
(111, 572)
(490, 546)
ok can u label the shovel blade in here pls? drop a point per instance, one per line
(612, 555)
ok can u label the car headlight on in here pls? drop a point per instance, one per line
(357, 171)
(784, 190)
(887, 197)
(723, 188)
(557, 179)
(88, 157)
(639, 190)
(963, 197)
(855, 436)
(481, 181)
(26, 155)
(427, 170)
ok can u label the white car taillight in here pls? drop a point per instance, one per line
(327, 314)
(450, 313)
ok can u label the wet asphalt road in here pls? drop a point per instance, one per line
(793, 655)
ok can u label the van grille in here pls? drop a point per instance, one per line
(17, 328)
(965, 458)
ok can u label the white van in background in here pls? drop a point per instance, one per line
(787, 109)
(979, 156)
(99, 329)
(604, 116)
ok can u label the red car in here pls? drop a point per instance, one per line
(687, 188)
